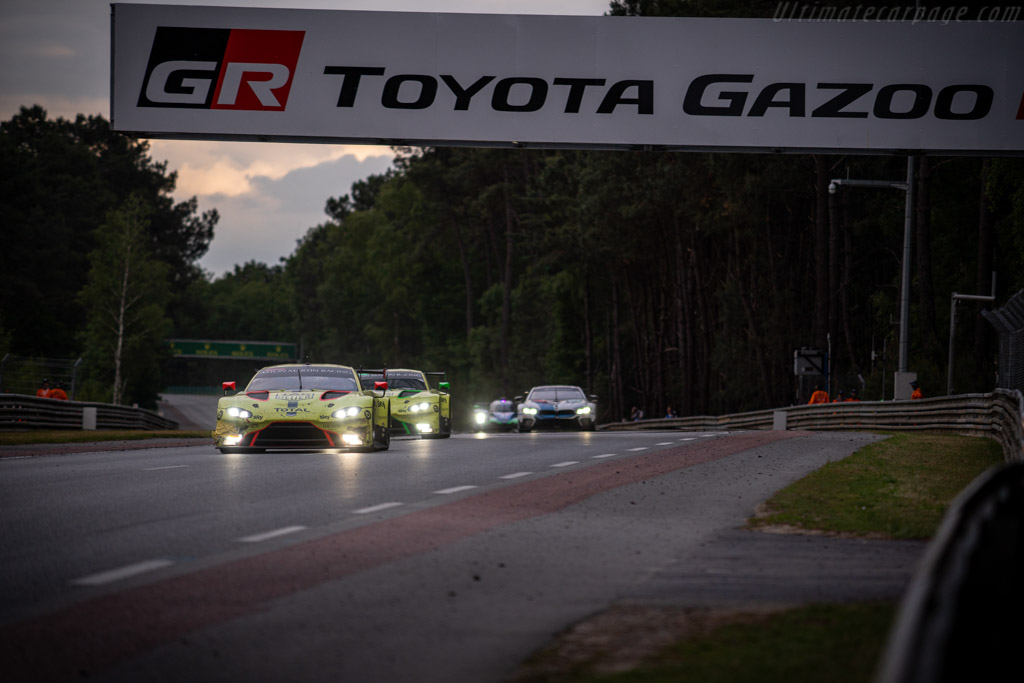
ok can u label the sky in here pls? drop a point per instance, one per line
(56, 53)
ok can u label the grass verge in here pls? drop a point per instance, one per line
(79, 436)
(898, 488)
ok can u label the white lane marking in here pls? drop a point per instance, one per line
(642, 448)
(122, 573)
(454, 489)
(566, 463)
(689, 438)
(664, 443)
(604, 455)
(267, 535)
(168, 467)
(376, 508)
(515, 475)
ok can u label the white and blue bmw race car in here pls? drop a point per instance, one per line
(557, 406)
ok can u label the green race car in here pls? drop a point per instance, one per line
(416, 408)
(303, 407)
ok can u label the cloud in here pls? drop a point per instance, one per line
(230, 168)
(265, 223)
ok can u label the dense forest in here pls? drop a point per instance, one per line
(649, 278)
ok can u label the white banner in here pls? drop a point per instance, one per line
(581, 82)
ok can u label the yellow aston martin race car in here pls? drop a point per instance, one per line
(303, 407)
(416, 408)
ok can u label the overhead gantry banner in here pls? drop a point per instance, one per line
(567, 82)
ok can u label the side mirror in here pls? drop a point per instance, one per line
(227, 386)
(593, 398)
(518, 399)
(380, 386)
(444, 386)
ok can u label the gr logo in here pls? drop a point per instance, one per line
(212, 68)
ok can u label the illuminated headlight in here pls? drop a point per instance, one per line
(585, 410)
(529, 411)
(480, 418)
(351, 439)
(425, 428)
(351, 411)
(419, 407)
(239, 412)
(232, 440)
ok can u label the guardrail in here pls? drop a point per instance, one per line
(30, 412)
(997, 415)
(959, 618)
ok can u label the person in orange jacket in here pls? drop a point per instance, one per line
(917, 391)
(839, 397)
(44, 391)
(58, 392)
(818, 396)
(853, 396)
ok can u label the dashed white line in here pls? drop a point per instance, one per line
(604, 455)
(642, 448)
(454, 489)
(689, 438)
(566, 463)
(168, 467)
(266, 536)
(376, 508)
(515, 475)
(122, 573)
(664, 443)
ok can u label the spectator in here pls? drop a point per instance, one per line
(840, 397)
(853, 396)
(636, 414)
(44, 391)
(818, 396)
(58, 392)
(670, 411)
(917, 391)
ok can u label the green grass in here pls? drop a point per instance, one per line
(826, 643)
(41, 436)
(896, 488)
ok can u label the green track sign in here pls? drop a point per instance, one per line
(241, 350)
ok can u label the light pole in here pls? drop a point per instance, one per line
(954, 300)
(908, 187)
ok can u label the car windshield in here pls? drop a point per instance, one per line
(502, 406)
(396, 380)
(305, 378)
(557, 394)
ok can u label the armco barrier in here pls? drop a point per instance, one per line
(959, 617)
(997, 415)
(29, 412)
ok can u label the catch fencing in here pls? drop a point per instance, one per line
(19, 412)
(997, 415)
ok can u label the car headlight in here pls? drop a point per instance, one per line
(239, 412)
(351, 411)
(529, 411)
(480, 418)
(419, 407)
(585, 410)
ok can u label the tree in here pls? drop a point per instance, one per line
(125, 298)
(58, 181)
